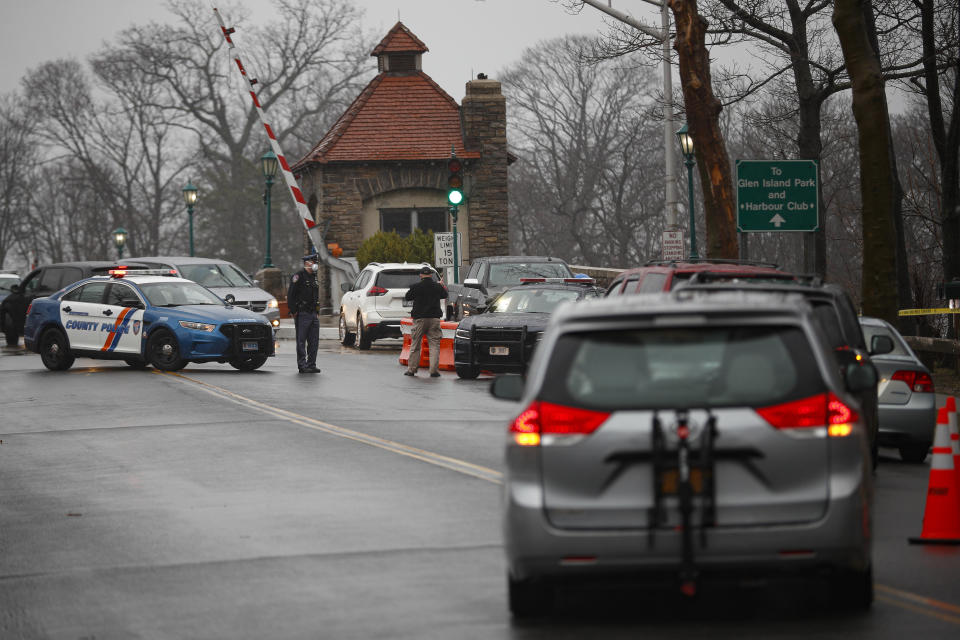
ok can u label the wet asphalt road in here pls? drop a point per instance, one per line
(358, 503)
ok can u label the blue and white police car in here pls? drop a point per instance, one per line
(145, 317)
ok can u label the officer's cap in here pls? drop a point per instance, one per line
(426, 271)
(312, 257)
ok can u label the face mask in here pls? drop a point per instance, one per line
(314, 267)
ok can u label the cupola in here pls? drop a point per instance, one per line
(399, 51)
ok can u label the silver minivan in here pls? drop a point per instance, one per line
(672, 438)
(224, 279)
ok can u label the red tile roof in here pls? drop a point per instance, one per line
(399, 40)
(398, 116)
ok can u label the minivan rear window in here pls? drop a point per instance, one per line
(685, 367)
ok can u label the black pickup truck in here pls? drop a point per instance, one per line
(488, 277)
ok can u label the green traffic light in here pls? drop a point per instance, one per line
(454, 196)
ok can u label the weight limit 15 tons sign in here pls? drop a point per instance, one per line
(777, 195)
(443, 249)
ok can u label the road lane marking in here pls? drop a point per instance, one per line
(896, 597)
(453, 464)
(920, 604)
(918, 609)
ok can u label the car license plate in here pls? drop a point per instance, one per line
(250, 346)
(499, 351)
(408, 303)
(670, 481)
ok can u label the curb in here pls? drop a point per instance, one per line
(289, 333)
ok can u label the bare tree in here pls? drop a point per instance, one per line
(309, 65)
(876, 164)
(125, 149)
(586, 186)
(17, 158)
(939, 84)
(703, 117)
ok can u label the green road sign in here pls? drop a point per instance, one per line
(777, 195)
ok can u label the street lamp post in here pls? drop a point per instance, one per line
(686, 146)
(268, 164)
(119, 241)
(190, 197)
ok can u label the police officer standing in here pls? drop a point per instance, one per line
(303, 300)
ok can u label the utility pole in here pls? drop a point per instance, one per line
(669, 152)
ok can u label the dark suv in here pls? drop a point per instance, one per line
(48, 279)
(490, 276)
(838, 318)
(658, 275)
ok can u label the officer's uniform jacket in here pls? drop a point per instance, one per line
(304, 292)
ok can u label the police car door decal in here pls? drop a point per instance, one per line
(123, 336)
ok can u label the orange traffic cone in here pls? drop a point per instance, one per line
(941, 517)
(954, 437)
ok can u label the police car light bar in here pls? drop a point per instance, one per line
(120, 272)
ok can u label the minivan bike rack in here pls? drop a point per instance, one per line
(687, 460)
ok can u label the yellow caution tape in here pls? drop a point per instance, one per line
(925, 312)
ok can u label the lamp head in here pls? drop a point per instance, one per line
(190, 194)
(686, 140)
(120, 237)
(268, 164)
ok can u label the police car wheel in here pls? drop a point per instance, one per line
(163, 352)
(248, 364)
(54, 352)
(346, 337)
(363, 336)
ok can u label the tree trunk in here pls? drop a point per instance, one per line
(876, 180)
(703, 119)
(946, 140)
(907, 325)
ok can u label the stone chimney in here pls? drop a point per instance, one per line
(484, 116)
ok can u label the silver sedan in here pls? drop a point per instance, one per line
(907, 402)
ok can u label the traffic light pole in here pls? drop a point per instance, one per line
(454, 210)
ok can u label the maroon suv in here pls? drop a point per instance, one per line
(663, 276)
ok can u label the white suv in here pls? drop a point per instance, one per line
(372, 307)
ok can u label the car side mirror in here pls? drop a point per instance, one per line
(473, 283)
(507, 387)
(345, 287)
(229, 299)
(131, 302)
(880, 345)
(860, 377)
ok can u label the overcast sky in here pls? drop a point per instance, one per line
(464, 36)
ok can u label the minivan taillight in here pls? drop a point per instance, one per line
(821, 410)
(554, 419)
(376, 291)
(917, 380)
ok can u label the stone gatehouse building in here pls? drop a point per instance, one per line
(383, 164)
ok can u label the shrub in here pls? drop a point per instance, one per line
(388, 246)
(420, 246)
(382, 246)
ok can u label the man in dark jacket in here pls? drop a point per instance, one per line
(426, 313)
(13, 312)
(303, 300)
